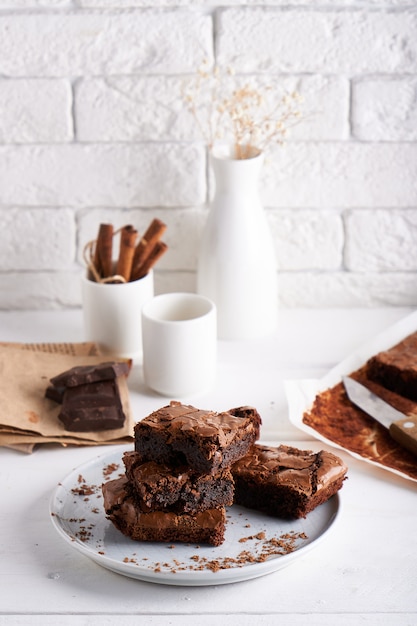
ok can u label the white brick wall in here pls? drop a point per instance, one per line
(93, 128)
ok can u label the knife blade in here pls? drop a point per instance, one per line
(402, 428)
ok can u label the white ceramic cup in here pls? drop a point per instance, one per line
(112, 314)
(179, 344)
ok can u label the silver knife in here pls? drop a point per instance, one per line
(402, 428)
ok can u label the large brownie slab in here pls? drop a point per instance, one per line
(334, 416)
(396, 368)
(205, 440)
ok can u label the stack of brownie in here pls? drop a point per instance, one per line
(178, 480)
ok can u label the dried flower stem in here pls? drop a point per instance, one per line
(243, 114)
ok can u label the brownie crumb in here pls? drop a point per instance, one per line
(84, 489)
(110, 469)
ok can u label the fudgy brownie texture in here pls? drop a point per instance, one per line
(396, 368)
(206, 441)
(121, 508)
(159, 487)
(92, 407)
(286, 482)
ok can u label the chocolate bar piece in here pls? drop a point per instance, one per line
(205, 440)
(90, 396)
(121, 508)
(160, 487)
(92, 407)
(85, 374)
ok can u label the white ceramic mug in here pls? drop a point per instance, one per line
(179, 344)
(112, 314)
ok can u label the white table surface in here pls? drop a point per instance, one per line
(364, 572)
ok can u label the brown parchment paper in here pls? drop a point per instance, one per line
(28, 418)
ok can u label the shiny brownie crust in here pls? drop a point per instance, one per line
(286, 482)
(204, 440)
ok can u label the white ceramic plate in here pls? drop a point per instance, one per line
(77, 513)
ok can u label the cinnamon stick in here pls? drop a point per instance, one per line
(128, 235)
(104, 250)
(154, 255)
(145, 246)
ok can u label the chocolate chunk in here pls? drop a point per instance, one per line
(55, 393)
(90, 396)
(92, 407)
(161, 487)
(84, 374)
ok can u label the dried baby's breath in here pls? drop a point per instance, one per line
(228, 109)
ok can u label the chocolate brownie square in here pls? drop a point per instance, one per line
(286, 482)
(160, 487)
(205, 440)
(122, 510)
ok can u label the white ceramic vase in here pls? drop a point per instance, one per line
(237, 265)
